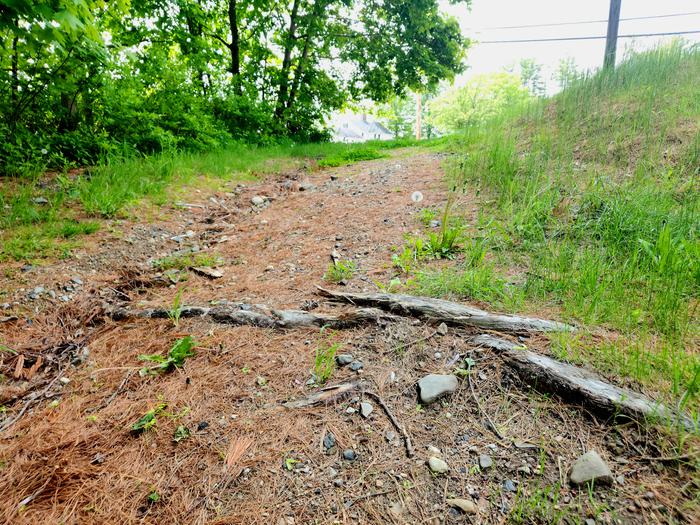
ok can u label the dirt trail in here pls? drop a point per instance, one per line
(73, 459)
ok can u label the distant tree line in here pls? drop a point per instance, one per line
(82, 79)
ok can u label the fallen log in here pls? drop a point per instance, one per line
(325, 395)
(447, 311)
(581, 386)
(260, 316)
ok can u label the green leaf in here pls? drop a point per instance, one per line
(181, 433)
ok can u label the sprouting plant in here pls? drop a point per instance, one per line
(148, 420)
(181, 350)
(427, 215)
(153, 497)
(324, 361)
(181, 433)
(176, 310)
(340, 271)
(290, 462)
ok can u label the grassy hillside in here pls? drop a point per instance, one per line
(590, 207)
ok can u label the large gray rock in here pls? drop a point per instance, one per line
(435, 386)
(590, 467)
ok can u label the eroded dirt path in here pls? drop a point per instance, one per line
(243, 458)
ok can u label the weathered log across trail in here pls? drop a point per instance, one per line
(546, 374)
(261, 316)
(578, 385)
(439, 310)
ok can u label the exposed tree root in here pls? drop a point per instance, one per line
(449, 312)
(261, 316)
(576, 384)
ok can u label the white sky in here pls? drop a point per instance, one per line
(588, 54)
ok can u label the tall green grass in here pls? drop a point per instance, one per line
(594, 195)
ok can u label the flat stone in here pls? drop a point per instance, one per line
(211, 273)
(350, 410)
(442, 329)
(390, 435)
(328, 441)
(349, 455)
(366, 409)
(465, 505)
(437, 465)
(258, 200)
(344, 359)
(434, 386)
(356, 365)
(590, 467)
(485, 461)
(40, 200)
(434, 450)
(509, 486)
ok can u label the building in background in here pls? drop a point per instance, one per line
(352, 127)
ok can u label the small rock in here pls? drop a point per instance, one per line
(202, 425)
(356, 365)
(620, 480)
(485, 461)
(437, 465)
(331, 472)
(435, 386)
(344, 359)
(64, 298)
(589, 521)
(211, 273)
(390, 435)
(258, 200)
(509, 486)
(465, 505)
(349, 455)
(442, 329)
(434, 450)
(77, 280)
(397, 509)
(590, 467)
(306, 186)
(328, 441)
(338, 482)
(525, 470)
(435, 224)
(334, 177)
(366, 409)
(350, 410)
(40, 200)
(64, 380)
(438, 355)
(98, 459)
(379, 483)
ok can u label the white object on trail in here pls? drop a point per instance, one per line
(416, 196)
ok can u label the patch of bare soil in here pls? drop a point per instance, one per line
(224, 449)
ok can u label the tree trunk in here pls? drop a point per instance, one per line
(235, 46)
(301, 67)
(15, 70)
(287, 60)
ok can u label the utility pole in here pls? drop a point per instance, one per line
(419, 112)
(611, 39)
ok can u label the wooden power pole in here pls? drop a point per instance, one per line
(611, 39)
(419, 112)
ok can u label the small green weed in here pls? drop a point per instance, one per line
(181, 433)
(148, 420)
(181, 350)
(324, 359)
(340, 271)
(176, 309)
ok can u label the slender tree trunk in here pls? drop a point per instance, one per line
(301, 67)
(235, 46)
(287, 60)
(15, 70)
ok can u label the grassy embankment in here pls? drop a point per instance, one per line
(590, 211)
(45, 216)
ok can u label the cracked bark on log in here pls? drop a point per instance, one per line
(578, 385)
(261, 316)
(449, 312)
